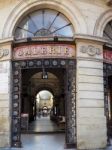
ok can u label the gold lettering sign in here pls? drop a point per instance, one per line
(44, 51)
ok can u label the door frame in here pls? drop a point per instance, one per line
(70, 66)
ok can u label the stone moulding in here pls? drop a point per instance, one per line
(91, 50)
(3, 52)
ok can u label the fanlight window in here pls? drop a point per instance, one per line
(44, 23)
(108, 32)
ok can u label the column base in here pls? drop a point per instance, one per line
(17, 145)
(69, 146)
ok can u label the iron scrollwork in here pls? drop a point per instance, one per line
(17, 66)
(71, 106)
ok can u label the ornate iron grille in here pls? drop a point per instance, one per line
(107, 68)
(71, 107)
(70, 66)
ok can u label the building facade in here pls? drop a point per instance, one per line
(82, 48)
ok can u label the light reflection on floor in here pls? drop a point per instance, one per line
(43, 124)
(44, 142)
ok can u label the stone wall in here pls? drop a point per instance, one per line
(5, 119)
(91, 122)
(5, 93)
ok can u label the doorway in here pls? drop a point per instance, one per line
(43, 100)
(63, 110)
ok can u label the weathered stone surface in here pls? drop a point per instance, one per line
(94, 112)
(4, 139)
(91, 95)
(95, 128)
(94, 121)
(4, 96)
(91, 103)
(5, 120)
(91, 87)
(4, 124)
(4, 88)
(91, 72)
(4, 111)
(90, 79)
(91, 120)
(90, 64)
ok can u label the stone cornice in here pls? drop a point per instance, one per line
(83, 37)
(6, 40)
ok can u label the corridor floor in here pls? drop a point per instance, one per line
(43, 142)
(43, 124)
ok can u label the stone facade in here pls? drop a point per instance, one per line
(89, 18)
(91, 122)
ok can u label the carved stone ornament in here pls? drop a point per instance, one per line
(3, 52)
(91, 50)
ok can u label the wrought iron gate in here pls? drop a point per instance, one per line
(69, 65)
(107, 72)
(71, 107)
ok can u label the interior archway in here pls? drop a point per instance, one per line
(43, 100)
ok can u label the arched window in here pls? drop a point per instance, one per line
(44, 23)
(108, 32)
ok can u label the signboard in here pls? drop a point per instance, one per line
(44, 51)
(107, 55)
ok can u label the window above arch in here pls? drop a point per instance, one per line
(44, 23)
(107, 34)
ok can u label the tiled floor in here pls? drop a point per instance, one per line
(43, 124)
(43, 142)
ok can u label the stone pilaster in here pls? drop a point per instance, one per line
(91, 121)
(5, 119)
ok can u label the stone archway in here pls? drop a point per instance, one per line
(25, 7)
(102, 22)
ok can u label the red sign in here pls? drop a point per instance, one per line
(107, 54)
(44, 51)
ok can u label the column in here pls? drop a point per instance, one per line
(91, 120)
(5, 118)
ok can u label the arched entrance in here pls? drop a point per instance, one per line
(44, 46)
(108, 77)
